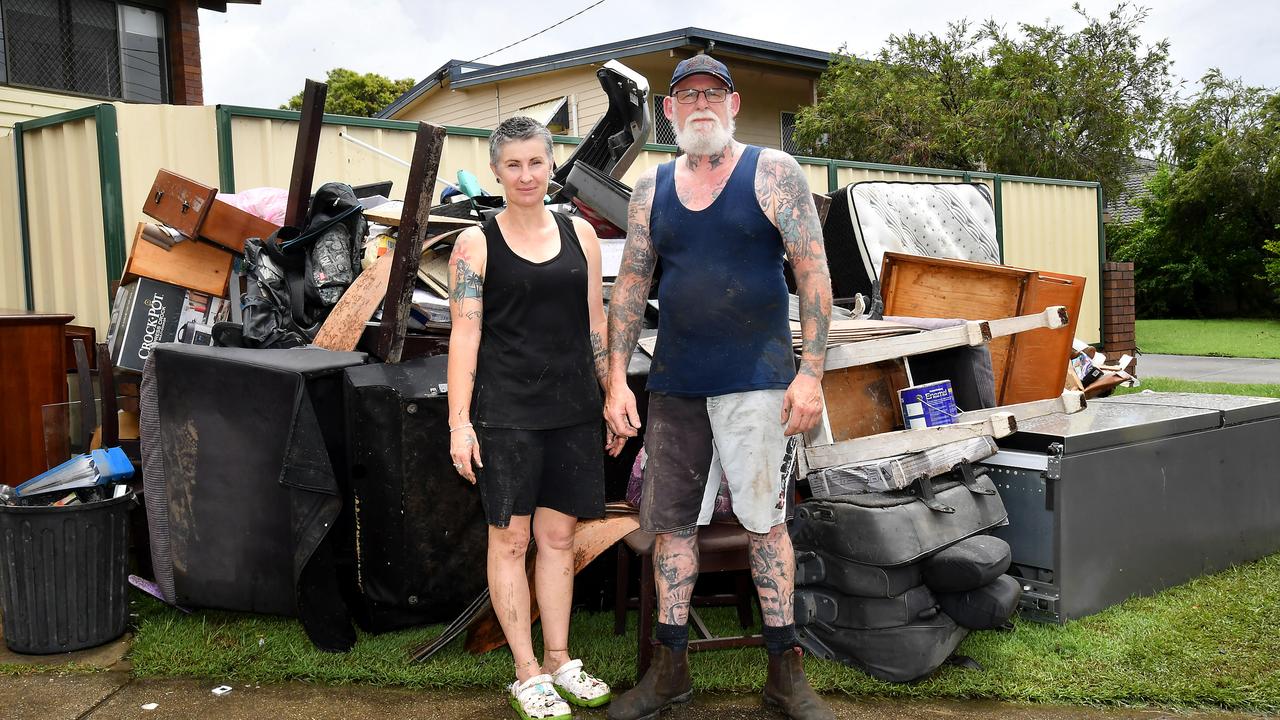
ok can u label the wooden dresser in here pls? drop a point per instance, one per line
(33, 372)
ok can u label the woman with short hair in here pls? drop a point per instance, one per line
(527, 361)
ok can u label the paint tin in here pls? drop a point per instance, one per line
(928, 405)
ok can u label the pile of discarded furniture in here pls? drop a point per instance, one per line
(294, 444)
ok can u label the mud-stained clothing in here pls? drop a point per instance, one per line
(689, 439)
(561, 469)
(534, 370)
(722, 318)
(537, 404)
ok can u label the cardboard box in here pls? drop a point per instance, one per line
(146, 312)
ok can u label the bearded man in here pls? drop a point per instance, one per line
(720, 219)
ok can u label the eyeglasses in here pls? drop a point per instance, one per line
(689, 97)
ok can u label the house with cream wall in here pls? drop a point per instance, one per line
(561, 90)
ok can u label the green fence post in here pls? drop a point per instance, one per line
(112, 191)
(24, 228)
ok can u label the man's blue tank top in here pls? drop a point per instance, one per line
(722, 297)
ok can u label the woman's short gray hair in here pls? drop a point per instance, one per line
(517, 128)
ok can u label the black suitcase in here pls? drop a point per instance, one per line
(897, 654)
(893, 529)
(420, 530)
(859, 613)
(970, 563)
(815, 567)
(985, 608)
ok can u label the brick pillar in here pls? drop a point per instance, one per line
(1118, 309)
(182, 31)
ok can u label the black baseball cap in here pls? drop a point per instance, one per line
(701, 65)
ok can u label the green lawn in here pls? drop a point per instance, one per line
(1209, 643)
(1227, 338)
(1161, 384)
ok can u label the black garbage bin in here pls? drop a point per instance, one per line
(64, 575)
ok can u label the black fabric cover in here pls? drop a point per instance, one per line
(848, 271)
(815, 567)
(896, 654)
(970, 563)
(155, 492)
(832, 608)
(250, 440)
(985, 608)
(893, 529)
(421, 530)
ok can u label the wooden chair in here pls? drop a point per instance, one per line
(722, 547)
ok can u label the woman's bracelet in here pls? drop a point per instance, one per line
(460, 427)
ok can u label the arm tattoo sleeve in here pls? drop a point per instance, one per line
(783, 193)
(631, 290)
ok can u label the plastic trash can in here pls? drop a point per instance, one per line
(64, 575)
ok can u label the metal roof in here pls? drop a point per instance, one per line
(460, 76)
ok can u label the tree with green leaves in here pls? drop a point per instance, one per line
(1044, 101)
(1208, 242)
(353, 93)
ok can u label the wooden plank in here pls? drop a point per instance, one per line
(1069, 402)
(901, 442)
(304, 152)
(590, 539)
(423, 168)
(191, 264)
(389, 214)
(972, 332)
(179, 202)
(1052, 318)
(344, 326)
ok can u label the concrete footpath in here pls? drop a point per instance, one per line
(1210, 369)
(114, 695)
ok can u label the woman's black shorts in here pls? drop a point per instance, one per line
(561, 469)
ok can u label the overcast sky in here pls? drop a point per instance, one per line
(260, 55)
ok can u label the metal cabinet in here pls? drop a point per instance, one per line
(1136, 494)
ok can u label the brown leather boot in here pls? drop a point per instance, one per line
(787, 689)
(664, 684)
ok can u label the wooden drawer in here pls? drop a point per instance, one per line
(179, 202)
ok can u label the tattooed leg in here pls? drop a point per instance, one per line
(773, 568)
(675, 570)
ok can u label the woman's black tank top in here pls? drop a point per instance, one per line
(535, 370)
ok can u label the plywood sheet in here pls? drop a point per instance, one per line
(863, 400)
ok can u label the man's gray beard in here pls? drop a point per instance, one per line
(700, 145)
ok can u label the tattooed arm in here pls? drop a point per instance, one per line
(784, 196)
(626, 308)
(595, 305)
(466, 308)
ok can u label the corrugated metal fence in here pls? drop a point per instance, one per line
(85, 173)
